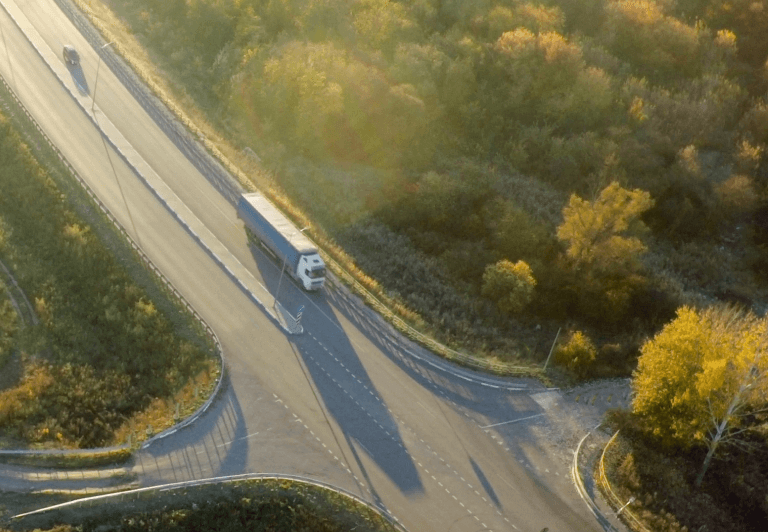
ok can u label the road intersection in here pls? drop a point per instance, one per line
(350, 402)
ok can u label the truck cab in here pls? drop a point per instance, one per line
(311, 271)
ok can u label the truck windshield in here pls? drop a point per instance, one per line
(317, 273)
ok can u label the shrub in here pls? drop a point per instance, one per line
(578, 354)
(509, 285)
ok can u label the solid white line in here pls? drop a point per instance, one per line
(513, 421)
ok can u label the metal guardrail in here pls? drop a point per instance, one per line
(630, 518)
(154, 269)
(138, 493)
(582, 490)
(430, 343)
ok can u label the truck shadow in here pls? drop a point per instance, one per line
(508, 412)
(342, 383)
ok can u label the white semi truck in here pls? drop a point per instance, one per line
(265, 223)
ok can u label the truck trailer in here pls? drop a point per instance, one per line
(297, 255)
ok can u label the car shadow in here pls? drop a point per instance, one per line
(345, 390)
(78, 76)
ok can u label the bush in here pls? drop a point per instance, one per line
(578, 354)
(509, 285)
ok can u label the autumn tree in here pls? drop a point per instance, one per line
(700, 379)
(604, 234)
(577, 354)
(602, 248)
(509, 285)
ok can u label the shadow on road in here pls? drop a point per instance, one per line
(363, 417)
(79, 78)
(217, 446)
(502, 410)
(484, 482)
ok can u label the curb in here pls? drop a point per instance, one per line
(581, 489)
(139, 492)
(602, 481)
(209, 161)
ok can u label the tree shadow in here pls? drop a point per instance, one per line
(215, 442)
(504, 412)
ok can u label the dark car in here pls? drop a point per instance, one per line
(70, 55)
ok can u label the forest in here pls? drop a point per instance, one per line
(507, 168)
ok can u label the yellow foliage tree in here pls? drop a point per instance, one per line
(699, 378)
(509, 285)
(578, 354)
(604, 234)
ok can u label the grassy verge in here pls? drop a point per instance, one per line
(253, 505)
(731, 499)
(8, 324)
(95, 459)
(115, 350)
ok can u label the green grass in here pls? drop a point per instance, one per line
(112, 340)
(249, 505)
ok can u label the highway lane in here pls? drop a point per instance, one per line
(170, 247)
(410, 436)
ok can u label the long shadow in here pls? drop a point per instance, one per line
(504, 411)
(78, 76)
(511, 414)
(484, 482)
(214, 445)
(342, 383)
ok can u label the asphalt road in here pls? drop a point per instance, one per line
(348, 402)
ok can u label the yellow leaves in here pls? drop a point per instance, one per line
(602, 233)
(516, 42)
(711, 377)
(43, 309)
(75, 233)
(578, 354)
(637, 110)
(13, 401)
(551, 46)
(381, 24)
(695, 368)
(509, 285)
(726, 39)
(557, 49)
(640, 12)
(146, 308)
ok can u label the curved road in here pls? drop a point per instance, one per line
(349, 402)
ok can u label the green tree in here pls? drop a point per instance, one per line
(640, 32)
(509, 285)
(603, 235)
(701, 377)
